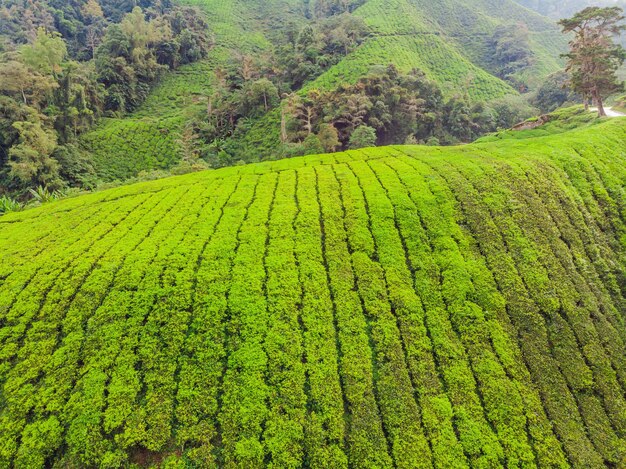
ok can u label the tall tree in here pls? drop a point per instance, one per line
(362, 137)
(30, 160)
(594, 57)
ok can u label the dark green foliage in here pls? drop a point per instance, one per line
(48, 99)
(554, 93)
(363, 136)
(134, 53)
(511, 52)
(397, 108)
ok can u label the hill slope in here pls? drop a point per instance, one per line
(392, 307)
(448, 40)
(404, 34)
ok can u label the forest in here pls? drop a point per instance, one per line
(64, 65)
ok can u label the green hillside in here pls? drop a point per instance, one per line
(393, 307)
(470, 25)
(150, 138)
(447, 40)
(404, 34)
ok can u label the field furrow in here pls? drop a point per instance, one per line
(469, 321)
(401, 415)
(432, 196)
(284, 428)
(244, 409)
(527, 316)
(366, 439)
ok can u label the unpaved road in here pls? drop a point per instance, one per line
(609, 112)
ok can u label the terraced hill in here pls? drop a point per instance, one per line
(407, 35)
(448, 40)
(468, 27)
(471, 24)
(391, 307)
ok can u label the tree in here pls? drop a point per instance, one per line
(350, 112)
(10, 111)
(261, 94)
(30, 160)
(554, 93)
(363, 136)
(46, 53)
(24, 85)
(312, 145)
(304, 110)
(329, 137)
(92, 9)
(142, 33)
(594, 58)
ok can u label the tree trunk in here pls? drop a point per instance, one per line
(283, 126)
(598, 99)
(309, 121)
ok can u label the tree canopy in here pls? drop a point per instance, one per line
(594, 57)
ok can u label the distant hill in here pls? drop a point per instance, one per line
(450, 40)
(564, 8)
(404, 306)
(152, 137)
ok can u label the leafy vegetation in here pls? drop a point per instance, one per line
(556, 122)
(407, 306)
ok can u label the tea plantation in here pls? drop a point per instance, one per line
(394, 307)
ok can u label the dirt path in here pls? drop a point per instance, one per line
(609, 112)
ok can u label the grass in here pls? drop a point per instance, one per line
(559, 121)
(399, 307)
